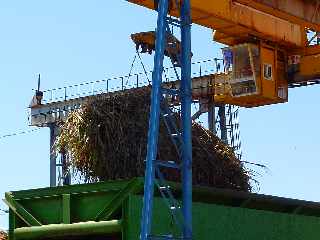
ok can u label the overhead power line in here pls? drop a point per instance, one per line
(4, 211)
(19, 133)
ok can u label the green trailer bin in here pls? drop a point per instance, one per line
(112, 210)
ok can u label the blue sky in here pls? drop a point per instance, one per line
(74, 41)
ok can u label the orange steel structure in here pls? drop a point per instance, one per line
(269, 42)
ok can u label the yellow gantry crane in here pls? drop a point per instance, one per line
(270, 47)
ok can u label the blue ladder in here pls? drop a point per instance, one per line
(181, 138)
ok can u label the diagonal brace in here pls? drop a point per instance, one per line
(132, 187)
(20, 211)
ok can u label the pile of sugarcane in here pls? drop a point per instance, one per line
(106, 139)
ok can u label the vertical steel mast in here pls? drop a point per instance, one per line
(181, 138)
(186, 97)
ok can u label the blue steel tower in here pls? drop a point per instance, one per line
(182, 137)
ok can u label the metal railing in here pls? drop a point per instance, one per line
(121, 83)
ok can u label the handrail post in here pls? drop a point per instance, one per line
(65, 93)
(137, 80)
(122, 86)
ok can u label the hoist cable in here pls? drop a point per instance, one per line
(131, 68)
(144, 69)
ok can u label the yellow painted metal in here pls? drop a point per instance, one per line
(146, 41)
(302, 12)
(246, 84)
(310, 66)
(235, 19)
(147, 38)
(231, 40)
(311, 50)
(257, 78)
(282, 23)
(268, 83)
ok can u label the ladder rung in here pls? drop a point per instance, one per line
(176, 135)
(175, 20)
(164, 187)
(174, 208)
(168, 164)
(166, 237)
(173, 92)
(167, 114)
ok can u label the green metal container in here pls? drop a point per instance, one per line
(111, 210)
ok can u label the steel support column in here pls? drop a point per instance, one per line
(153, 133)
(66, 176)
(223, 124)
(186, 96)
(53, 155)
(182, 139)
(212, 117)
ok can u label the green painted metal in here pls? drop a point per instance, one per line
(62, 230)
(48, 205)
(12, 224)
(71, 189)
(211, 221)
(66, 208)
(217, 213)
(117, 201)
(20, 211)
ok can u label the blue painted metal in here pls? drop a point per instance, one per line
(186, 118)
(173, 92)
(182, 140)
(170, 201)
(154, 120)
(167, 164)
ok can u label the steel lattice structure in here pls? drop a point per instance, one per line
(181, 138)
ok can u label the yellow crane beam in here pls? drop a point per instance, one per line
(303, 12)
(269, 47)
(236, 19)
